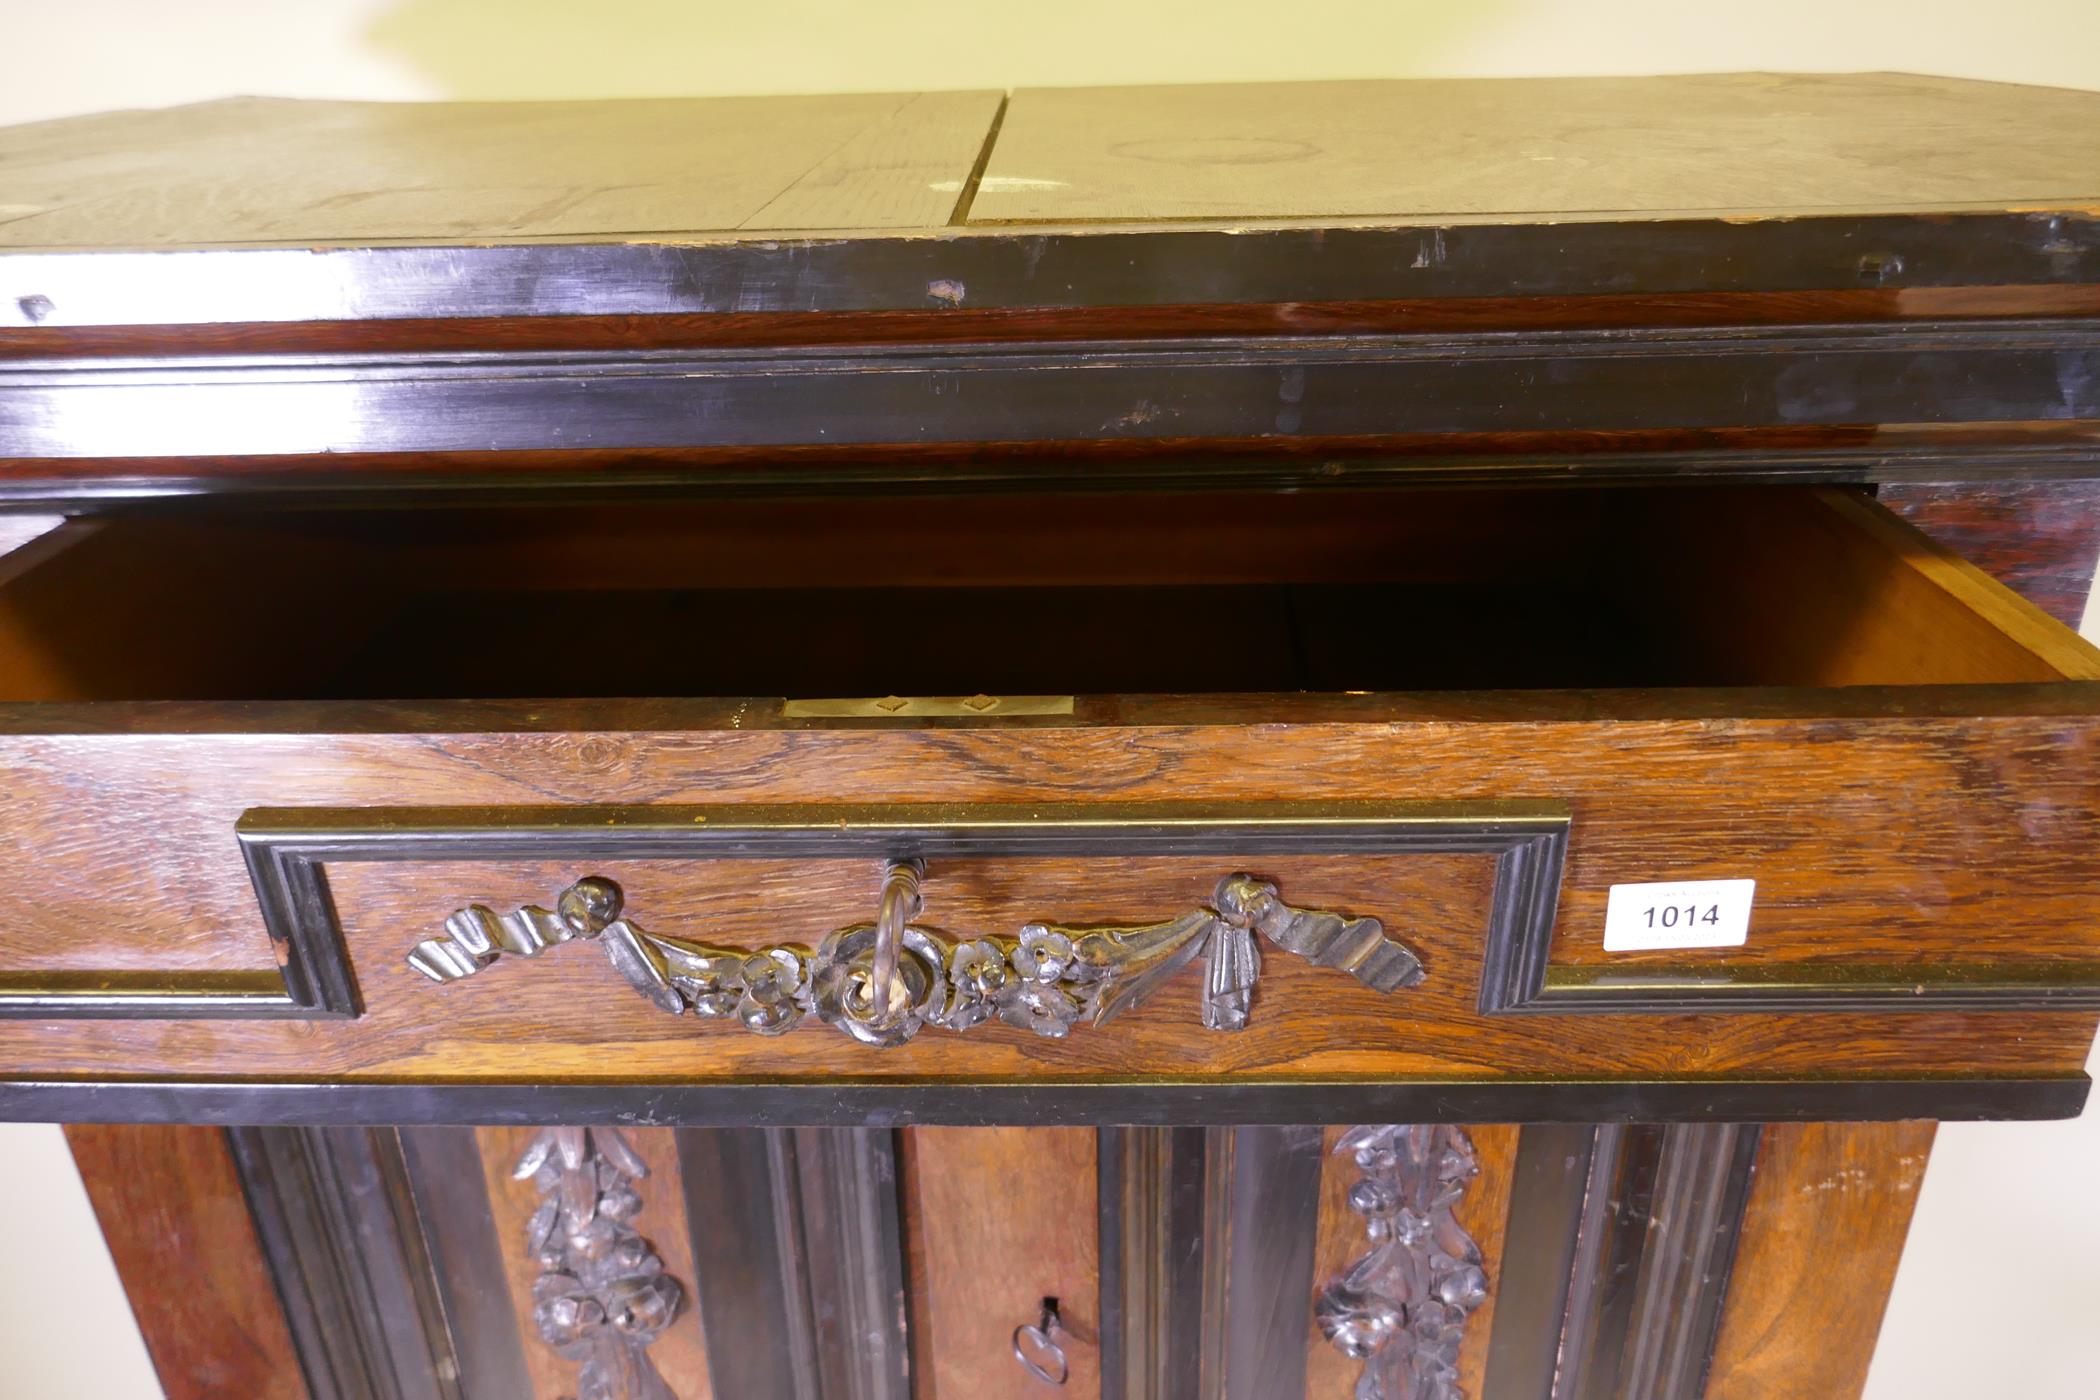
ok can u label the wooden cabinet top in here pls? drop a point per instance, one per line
(1858, 274)
(249, 170)
(1538, 149)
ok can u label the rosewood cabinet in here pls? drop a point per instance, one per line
(1393, 740)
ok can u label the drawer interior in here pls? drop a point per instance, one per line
(1421, 590)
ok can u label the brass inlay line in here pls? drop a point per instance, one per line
(928, 707)
(1693, 977)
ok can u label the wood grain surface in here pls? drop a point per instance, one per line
(1725, 141)
(2039, 538)
(1858, 453)
(997, 1220)
(256, 170)
(1830, 1204)
(966, 323)
(253, 170)
(1484, 1212)
(680, 1353)
(1802, 804)
(1853, 596)
(177, 1226)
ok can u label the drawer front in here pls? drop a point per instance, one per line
(1331, 814)
(1341, 906)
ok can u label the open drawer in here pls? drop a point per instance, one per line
(1261, 808)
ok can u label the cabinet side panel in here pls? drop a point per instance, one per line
(2039, 538)
(1830, 1205)
(171, 1208)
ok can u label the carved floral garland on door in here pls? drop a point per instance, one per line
(604, 1295)
(1402, 1307)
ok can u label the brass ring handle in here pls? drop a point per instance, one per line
(900, 905)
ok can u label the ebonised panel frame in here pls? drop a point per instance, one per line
(1233, 388)
(798, 1261)
(313, 982)
(1632, 1231)
(387, 1261)
(1519, 977)
(1206, 1247)
(359, 1267)
(225, 483)
(287, 849)
(1017, 267)
(129, 997)
(850, 1103)
(1798, 987)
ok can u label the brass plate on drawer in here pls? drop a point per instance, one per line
(928, 707)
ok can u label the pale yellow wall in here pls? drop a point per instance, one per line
(73, 55)
(493, 48)
(2000, 1287)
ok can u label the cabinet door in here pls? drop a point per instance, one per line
(1394, 1262)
